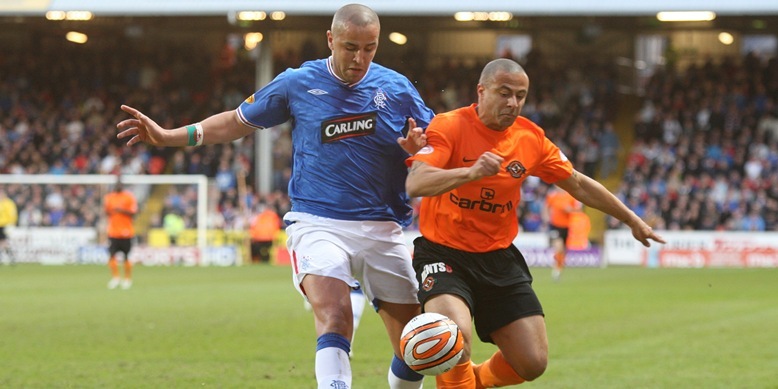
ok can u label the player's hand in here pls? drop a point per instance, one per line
(488, 164)
(415, 140)
(140, 129)
(643, 232)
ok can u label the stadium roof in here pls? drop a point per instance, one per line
(388, 7)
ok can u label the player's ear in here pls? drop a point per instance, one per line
(329, 39)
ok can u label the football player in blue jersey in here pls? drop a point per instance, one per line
(347, 188)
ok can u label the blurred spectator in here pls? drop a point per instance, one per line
(263, 229)
(8, 218)
(174, 225)
(609, 149)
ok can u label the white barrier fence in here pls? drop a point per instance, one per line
(688, 249)
(60, 246)
(694, 249)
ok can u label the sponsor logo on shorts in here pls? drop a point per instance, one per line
(348, 127)
(434, 268)
(516, 169)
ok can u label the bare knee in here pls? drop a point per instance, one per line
(331, 319)
(532, 367)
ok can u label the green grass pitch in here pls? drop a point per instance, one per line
(245, 327)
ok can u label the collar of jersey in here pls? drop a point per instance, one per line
(332, 72)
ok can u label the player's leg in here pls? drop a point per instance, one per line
(113, 264)
(5, 247)
(508, 313)
(522, 342)
(331, 306)
(389, 282)
(5, 250)
(321, 271)
(522, 354)
(255, 252)
(558, 245)
(10, 253)
(456, 309)
(357, 308)
(264, 251)
(125, 249)
(395, 317)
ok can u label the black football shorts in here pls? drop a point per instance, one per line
(497, 285)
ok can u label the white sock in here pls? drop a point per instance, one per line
(396, 382)
(410, 379)
(333, 367)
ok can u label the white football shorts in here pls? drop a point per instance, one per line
(367, 254)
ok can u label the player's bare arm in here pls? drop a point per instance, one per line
(425, 180)
(414, 140)
(593, 194)
(219, 128)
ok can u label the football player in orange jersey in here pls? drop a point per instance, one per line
(470, 175)
(120, 207)
(558, 210)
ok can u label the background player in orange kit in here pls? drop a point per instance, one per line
(559, 208)
(470, 175)
(120, 206)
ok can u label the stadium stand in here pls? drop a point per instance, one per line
(705, 154)
(706, 150)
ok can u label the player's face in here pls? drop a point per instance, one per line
(353, 49)
(500, 101)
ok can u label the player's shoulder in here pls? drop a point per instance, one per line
(388, 75)
(453, 120)
(462, 113)
(309, 69)
(383, 70)
(529, 125)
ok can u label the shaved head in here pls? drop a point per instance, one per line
(353, 39)
(498, 66)
(353, 14)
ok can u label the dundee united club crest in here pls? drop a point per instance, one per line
(516, 169)
(428, 283)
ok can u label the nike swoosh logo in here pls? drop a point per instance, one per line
(468, 160)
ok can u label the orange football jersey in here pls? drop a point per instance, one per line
(120, 223)
(480, 216)
(560, 206)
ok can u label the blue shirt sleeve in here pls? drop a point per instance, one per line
(268, 106)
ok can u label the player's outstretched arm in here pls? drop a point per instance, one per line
(593, 194)
(219, 128)
(414, 140)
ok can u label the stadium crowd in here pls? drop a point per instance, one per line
(705, 155)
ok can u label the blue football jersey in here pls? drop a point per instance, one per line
(346, 161)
